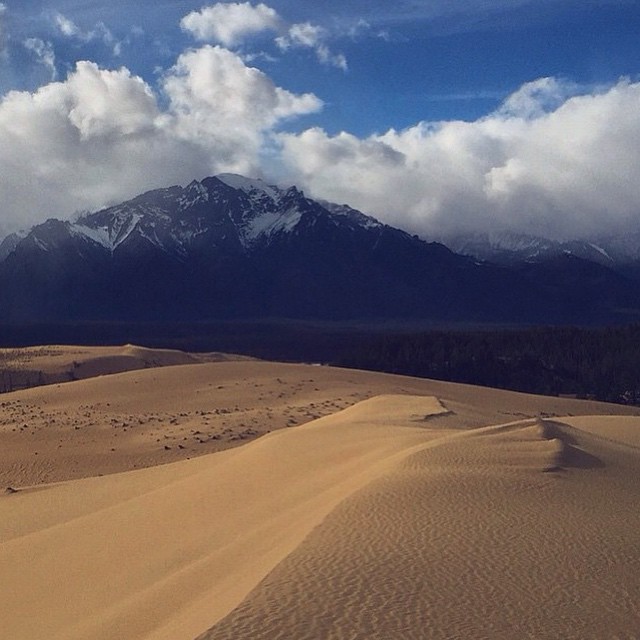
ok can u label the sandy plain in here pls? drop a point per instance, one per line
(247, 499)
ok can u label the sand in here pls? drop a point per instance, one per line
(26, 367)
(493, 534)
(142, 418)
(401, 508)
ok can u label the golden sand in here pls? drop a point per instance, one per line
(402, 508)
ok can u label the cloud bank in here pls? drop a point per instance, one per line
(554, 159)
(101, 135)
(547, 163)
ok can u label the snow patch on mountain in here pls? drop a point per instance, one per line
(10, 242)
(111, 235)
(249, 185)
(356, 216)
(509, 248)
(39, 243)
(269, 224)
(601, 251)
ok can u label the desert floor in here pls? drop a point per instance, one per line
(245, 499)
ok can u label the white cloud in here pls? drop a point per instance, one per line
(44, 54)
(228, 23)
(67, 27)
(77, 144)
(571, 171)
(302, 35)
(100, 136)
(310, 36)
(100, 32)
(217, 100)
(3, 31)
(534, 99)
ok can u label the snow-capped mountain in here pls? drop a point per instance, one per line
(230, 209)
(234, 247)
(510, 248)
(501, 247)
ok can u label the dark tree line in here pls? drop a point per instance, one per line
(590, 363)
(602, 363)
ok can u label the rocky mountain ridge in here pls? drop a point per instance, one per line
(234, 247)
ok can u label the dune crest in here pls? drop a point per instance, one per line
(135, 419)
(501, 532)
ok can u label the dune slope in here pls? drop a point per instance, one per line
(136, 419)
(27, 367)
(164, 552)
(524, 531)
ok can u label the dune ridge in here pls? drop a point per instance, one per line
(526, 530)
(143, 418)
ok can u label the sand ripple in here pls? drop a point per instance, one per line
(475, 538)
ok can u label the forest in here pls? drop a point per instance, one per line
(596, 363)
(602, 364)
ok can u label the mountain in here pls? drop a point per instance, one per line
(233, 247)
(618, 252)
(511, 248)
(9, 243)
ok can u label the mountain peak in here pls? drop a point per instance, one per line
(248, 185)
(234, 247)
(227, 211)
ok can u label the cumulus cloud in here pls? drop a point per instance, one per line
(101, 136)
(77, 144)
(228, 23)
(547, 162)
(215, 97)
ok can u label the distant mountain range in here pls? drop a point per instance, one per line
(617, 252)
(232, 247)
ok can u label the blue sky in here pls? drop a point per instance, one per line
(336, 96)
(416, 61)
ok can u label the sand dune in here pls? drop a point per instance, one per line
(26, 367)
(525, 531)
(412, 509)
(152, 416)
(163, 552)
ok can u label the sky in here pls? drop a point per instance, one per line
(437, 116)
